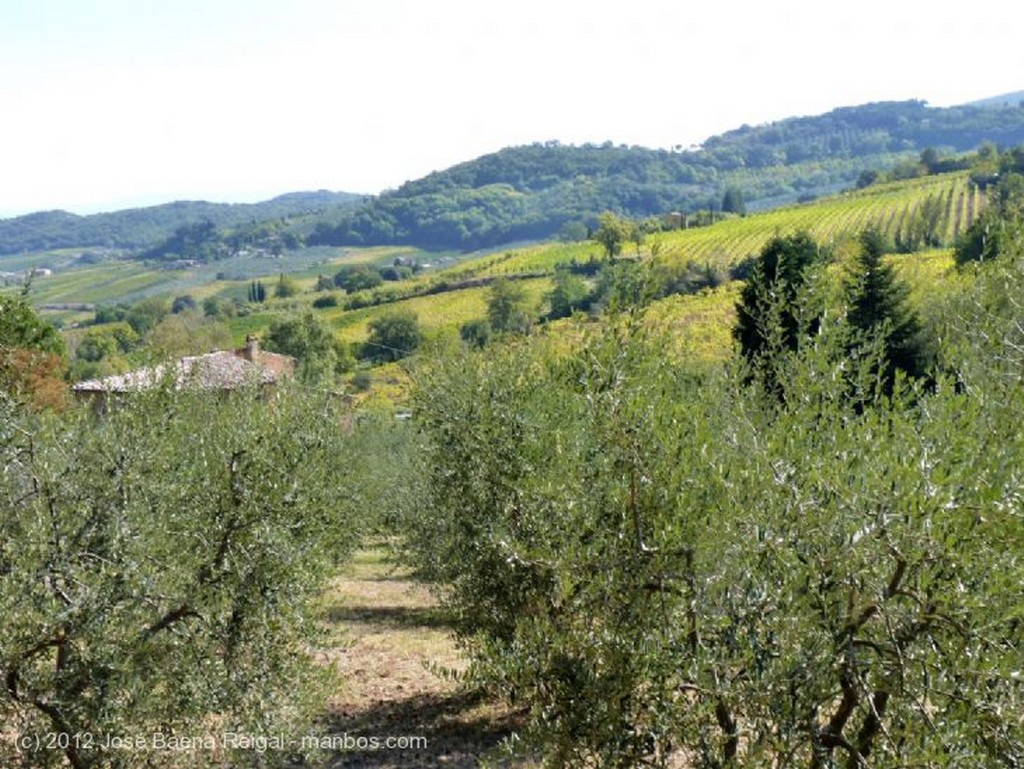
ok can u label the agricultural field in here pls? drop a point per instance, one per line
(898, 209)
(436, 312)
(454, 287)
(113, 281)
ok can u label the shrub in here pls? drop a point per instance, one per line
(328, 300)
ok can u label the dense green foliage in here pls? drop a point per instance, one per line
(319, 355)
(880, 318)
(32, 355)
(506, 308)
(661, 565)
(393, 335)
(1001, 227)
(21, 327)
(357, 277)
(156, 569)
(773, 314)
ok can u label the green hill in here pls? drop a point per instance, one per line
(537, 191)
(1015, 99)
(445, 299)
(142, 227)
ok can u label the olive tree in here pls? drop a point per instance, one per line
(664, 566)
(155, 569)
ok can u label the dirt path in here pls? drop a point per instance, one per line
(392, 646)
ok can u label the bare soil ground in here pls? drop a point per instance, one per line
(391, 646)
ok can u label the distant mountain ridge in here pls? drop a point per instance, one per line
(1014, 99)
(537, 191)
(136, 228)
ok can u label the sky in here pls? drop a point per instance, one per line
(108, 104)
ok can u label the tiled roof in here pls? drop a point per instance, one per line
(221, 370)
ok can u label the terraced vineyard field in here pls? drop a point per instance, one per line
(901, 210)
(897, 209)
(126, 280)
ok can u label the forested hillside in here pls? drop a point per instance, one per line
(142, 227)
(541, 190)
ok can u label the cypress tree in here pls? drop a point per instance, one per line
(768, 321)
(877, 306)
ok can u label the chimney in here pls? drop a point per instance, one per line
(252, 348)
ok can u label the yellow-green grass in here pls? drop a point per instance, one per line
(436, 312)
(543, 257)
(697, 326)
(380, 255)
(928, 274)
(254, 323)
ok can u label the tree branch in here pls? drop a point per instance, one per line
(170, 618)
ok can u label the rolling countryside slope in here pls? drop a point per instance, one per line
(917, 214)
(890, 207)
(533, 192)
(895, 208)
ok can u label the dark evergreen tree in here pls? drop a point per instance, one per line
(732, 201)
(878, 311)
(768, 321)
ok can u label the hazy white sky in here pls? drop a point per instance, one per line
(112, 103)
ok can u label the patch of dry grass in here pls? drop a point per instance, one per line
(391, 643)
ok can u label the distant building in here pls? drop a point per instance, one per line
(218, 371)
(41, 272)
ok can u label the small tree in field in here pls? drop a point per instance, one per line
(612, 232)
(286, 287)
(312, 343)
(506, 307)
(393, 336)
